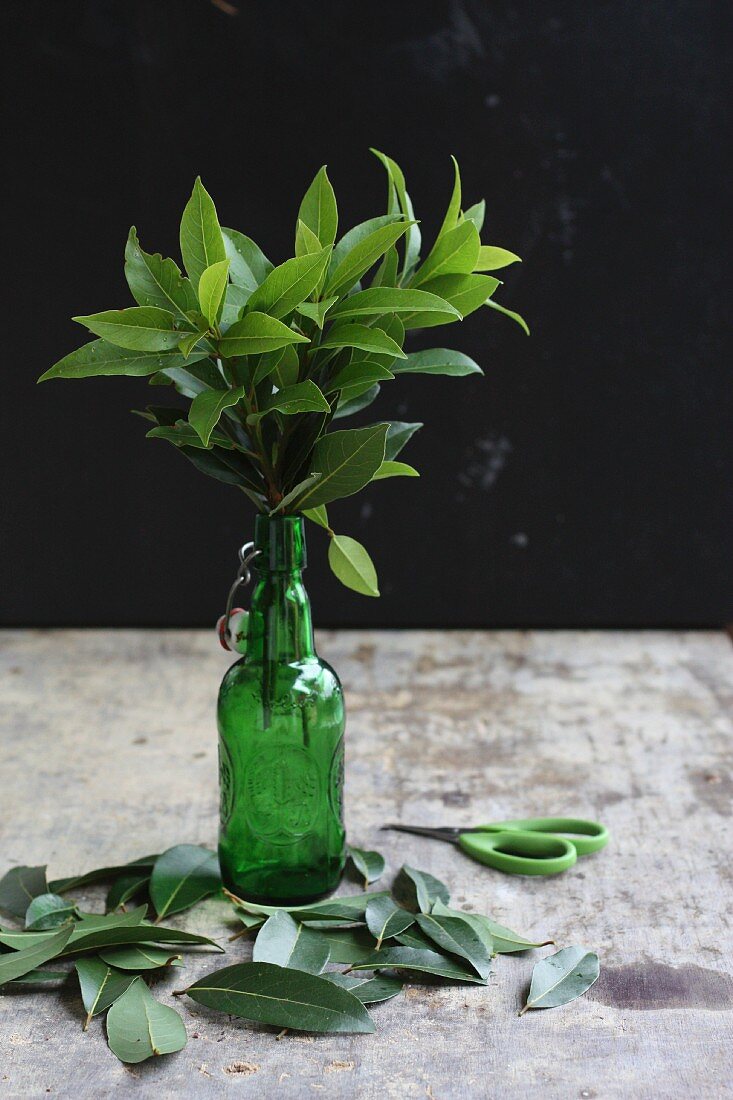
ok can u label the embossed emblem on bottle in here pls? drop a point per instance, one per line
(226, 784)
(336, 781)
(283, 791)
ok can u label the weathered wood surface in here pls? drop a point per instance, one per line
(109, 751)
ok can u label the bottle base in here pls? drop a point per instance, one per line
(286, 902)
(282, 889)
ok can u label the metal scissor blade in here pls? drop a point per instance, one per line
(449, 834)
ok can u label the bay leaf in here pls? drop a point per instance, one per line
(138, 957)
(347, 907)
(90, 921)
(249, 265)
(124, 889)
(100, 358)
(251, 922)
(318, 209)
(282, 997)
(420, 305)
(100, 985)
(157, 282)
(477, 922)
(395, 469)
(100, 874)
(122, 935)
(359, 233)
(182, 876)
(17, 940)
(492, 258)
(17, 963)
(203, 416)
(369, 864)
(399, 434)
(353, 401)
(562, 977)
(476, 214)
(289, 284)
(347, 461)
(504, 940)
(48, 911)
(414, 937)
(437, 361)
(368, 990)
(202, 243)
(508, 313)
(139, 328)
(350, 906)
(19, 886)
(362, 255)
(351, 564)
(366, 338)
(348, 945)
(285, 942)
(454, 934)
(212, 286)
(256, 334)
(455, 252)
(40, 977)
(93, 931)
(386, 919)
(418, 890)
(317, 311)
(420, 961)
(139, 1027)
(333, 924)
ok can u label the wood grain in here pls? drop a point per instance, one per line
(109, 751)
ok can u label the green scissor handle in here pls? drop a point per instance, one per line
(585, 836)
(520, 853)
(533, 846)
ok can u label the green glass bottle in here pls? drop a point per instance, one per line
(281, 748)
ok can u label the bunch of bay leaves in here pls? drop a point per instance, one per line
(380, 940)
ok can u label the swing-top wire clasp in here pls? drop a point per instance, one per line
(246, 554)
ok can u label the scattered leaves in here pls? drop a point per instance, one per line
(286, 984)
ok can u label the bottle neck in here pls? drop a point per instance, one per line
(280, 624)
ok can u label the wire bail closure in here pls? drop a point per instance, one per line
(246, 554)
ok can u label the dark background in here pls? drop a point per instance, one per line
(584, 481)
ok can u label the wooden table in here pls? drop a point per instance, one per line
(109, 751)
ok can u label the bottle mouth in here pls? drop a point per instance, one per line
(280, 541)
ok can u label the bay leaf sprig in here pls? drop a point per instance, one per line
(270, 356)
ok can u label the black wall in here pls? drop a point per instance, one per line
(584, 481)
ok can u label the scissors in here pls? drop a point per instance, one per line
(526, 846)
